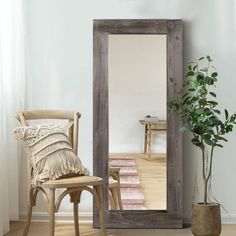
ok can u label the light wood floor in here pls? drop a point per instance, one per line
(152, 174)
(41, 229)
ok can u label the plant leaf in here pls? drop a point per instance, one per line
(229, 128)
(226, 114)
(232, 118)
(185, 100)
(199, 111)
(207, 136)
(190, 73)
(208, 111)
(196, 141)
(221, 138)
(209, 80)
(214, 74)
(192, 89)
(200, 77)
(216, 111)
(194, 68)
(213, 103)
(184, 95)
(202, 102)
(208, 58)
(218, 145)
(212, 94)
(209, 142)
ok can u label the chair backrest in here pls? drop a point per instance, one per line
(72, 117)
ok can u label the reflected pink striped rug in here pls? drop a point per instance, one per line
(131, 192)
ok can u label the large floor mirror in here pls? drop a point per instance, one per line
(137, 145)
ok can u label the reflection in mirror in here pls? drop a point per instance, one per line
(137, 122)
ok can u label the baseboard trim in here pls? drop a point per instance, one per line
(65, 217)
(87, 217)
(225, 219)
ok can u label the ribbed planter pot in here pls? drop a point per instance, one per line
(206, 219)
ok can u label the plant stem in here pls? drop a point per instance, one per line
(211, 157)
(206, 179)
(204, 172)
(205, 192)
(210, 168)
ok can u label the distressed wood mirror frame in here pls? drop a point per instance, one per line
(173, 216)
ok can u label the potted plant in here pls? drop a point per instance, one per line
(198, 110)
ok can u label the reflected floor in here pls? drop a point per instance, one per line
(143, 181)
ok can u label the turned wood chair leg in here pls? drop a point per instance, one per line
(149, 142)
(51, 211)
(145, 140)
(112, 203)
(101, 207)
(76, 218)
(115, 197)
(28, 219)
(29, 210)
(119, 198)
(75, 198)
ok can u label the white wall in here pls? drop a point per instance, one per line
(137, 87)
(60, 37)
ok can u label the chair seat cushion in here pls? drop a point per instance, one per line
(50, 152)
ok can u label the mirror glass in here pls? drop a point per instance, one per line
(137, 81)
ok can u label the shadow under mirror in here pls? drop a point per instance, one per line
(137, 80)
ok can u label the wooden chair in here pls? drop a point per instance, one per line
(74, 186)
(114, 188)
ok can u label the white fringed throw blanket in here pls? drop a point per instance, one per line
(50, 152)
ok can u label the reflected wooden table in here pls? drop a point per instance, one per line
(150, 127)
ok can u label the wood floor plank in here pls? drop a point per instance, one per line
(39, 229)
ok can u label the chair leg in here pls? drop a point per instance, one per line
(28, 220)
(119, 198)
(112, 203)
(51, 211)
(114, 194)
(145, 140)
(101, 207)
(76, 218)
(31, 203)
(75, 198)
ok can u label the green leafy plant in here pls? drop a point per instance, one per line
(199, 112)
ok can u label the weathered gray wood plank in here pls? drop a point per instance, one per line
(174, 137)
